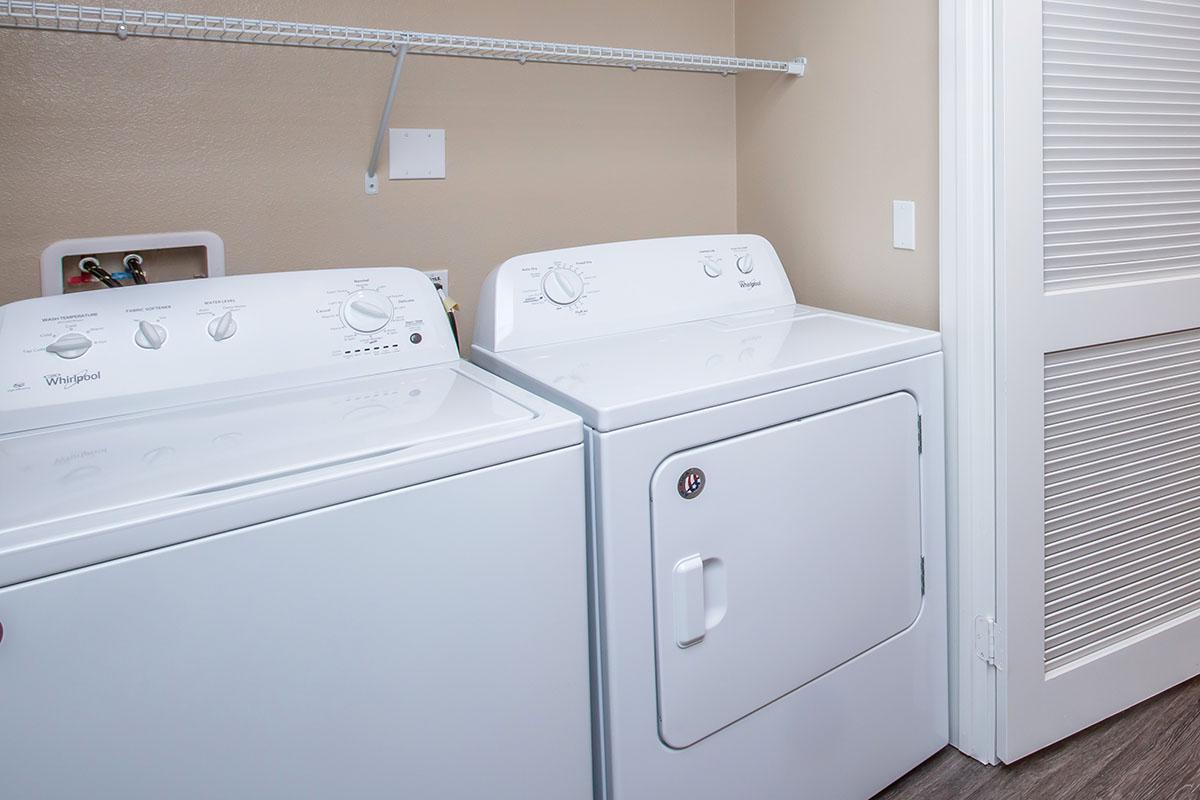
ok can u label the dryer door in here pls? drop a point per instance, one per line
(780, 555)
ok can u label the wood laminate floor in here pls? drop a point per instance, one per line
(1150, 752)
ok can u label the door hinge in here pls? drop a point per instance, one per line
(922, 575)
(989, 642)
(920, 434)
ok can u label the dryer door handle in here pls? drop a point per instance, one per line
(688, 596)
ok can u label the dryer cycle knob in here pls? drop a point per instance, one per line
(71, 345)
(367, 311)
(745, 264)
(150, 336)
(562, 286)
(222, 327)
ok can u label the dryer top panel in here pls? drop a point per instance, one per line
(604, 289)
(640, 376)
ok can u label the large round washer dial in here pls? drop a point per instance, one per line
(366, 311)
(562, 286)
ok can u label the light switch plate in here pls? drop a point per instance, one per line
(904, 225)
(416, 153)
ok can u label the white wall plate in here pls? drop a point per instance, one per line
(416, 153)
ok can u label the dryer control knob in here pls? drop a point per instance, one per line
(745, 264)
(562, 286)
(71, 345)
(222, 327)
(150, 336)
(367, 311)
(712, 269)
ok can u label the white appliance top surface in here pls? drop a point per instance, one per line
(246, 399)
(638, 376)
(120, 463)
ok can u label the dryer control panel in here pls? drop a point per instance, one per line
(581, 292)
(68, 358)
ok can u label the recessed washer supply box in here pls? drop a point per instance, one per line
(166, 257)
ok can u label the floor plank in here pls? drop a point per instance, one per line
(1150, 752)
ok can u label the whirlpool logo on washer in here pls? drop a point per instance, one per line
(691, 483)
(71, 381)
(749, 284)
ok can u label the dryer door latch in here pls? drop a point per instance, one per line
(688, 596)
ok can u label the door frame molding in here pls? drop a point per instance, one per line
(969, 254)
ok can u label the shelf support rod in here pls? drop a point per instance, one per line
(372, 180)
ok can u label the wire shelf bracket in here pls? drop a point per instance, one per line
(123, 23)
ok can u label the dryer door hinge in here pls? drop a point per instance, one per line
(920, 434)
(989, 642)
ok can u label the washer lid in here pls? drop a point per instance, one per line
(315, 446)
(640, 376)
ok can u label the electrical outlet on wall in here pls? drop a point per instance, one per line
(440, 277)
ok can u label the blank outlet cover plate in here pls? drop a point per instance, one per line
(416, 153)
(904, 225)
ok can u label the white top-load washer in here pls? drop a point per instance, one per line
(268, 537)
(766, 516)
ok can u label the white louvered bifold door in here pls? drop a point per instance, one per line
(1099, 339)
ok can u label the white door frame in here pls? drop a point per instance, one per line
(968, 258)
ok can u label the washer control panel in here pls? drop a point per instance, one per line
(67, 358)
(581, 292)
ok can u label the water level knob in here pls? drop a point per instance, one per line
(150, 336)
(71, 345)
(367, 311)
(222, 327)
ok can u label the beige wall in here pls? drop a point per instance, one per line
(819, 163)
(267, 145)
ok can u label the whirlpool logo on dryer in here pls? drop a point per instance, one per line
(69, 381)
(749, 284)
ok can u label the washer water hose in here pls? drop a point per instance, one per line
(133, 265)
(91, 265)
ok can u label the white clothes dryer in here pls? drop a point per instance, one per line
(766, 516)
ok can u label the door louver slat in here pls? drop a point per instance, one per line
(1121, 130)
(1122, 497)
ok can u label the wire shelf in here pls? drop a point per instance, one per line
(123, 22)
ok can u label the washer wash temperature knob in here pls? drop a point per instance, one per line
(71, 345)
(562, 286)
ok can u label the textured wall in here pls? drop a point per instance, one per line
(820, 163)
(267, 145)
